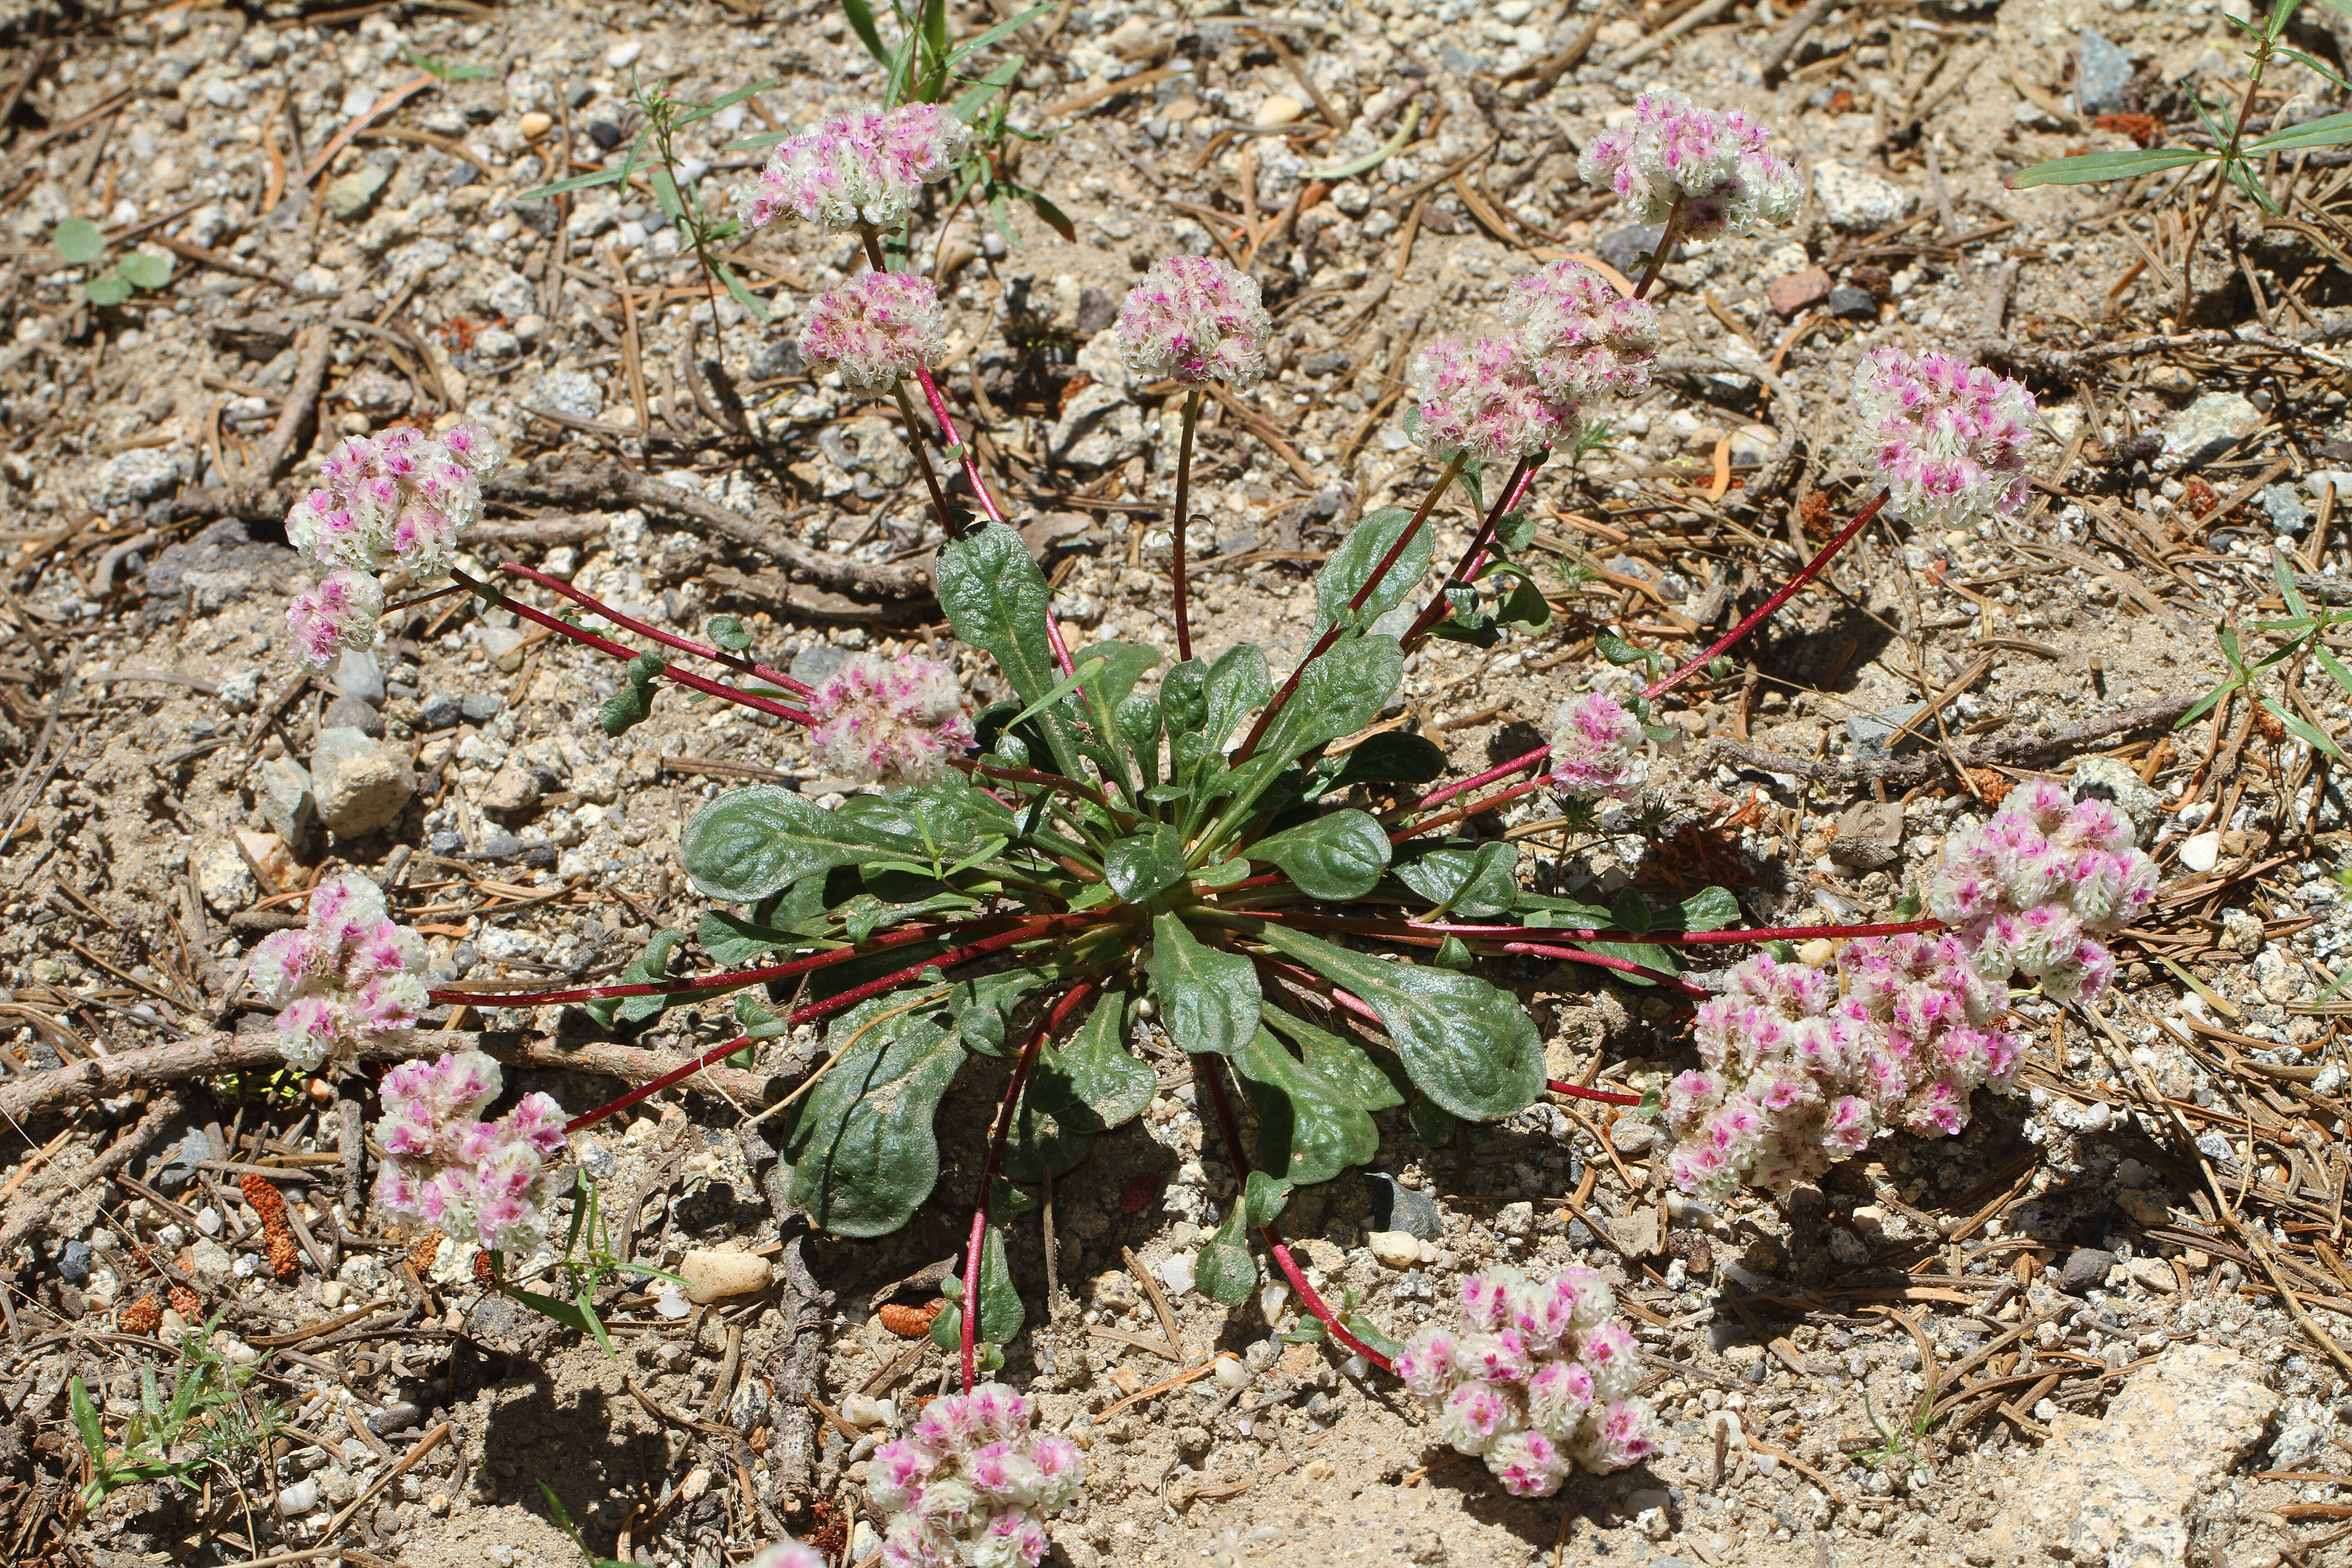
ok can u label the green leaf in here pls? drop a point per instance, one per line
(1236, 685)
(1209, 1000)
(1514, 532)
(1390, 757)
(563, 1522)
(728, 632)
(1223, 1270)
(996, 600)
(108, 289)
(751, 841)
(983, 1004)
(1337, 857)
(79, 241)
(1341, 1064)
(1618, 651)
(1351, 565)
(2334, 668)
(1649, 955)
(613, 175)
(977, 96)
(1095, 1085)
(1146, 862)
(1476, 880)
(84, 1417)
(727, 100)
(758, 1020)
(626, 710)
(1631, 912)
(2329, 130)
(1465, 1044)
(568, 1313)
(2311, 736)
(145, 269)
(950, 817)
(1000, 1312)
(1710, 909)
(861, 1149)
(1264, 1198)
(732, 939)
(861, 22)
(1137, 722)
(1366, 1331)
(1053, 216)
(1431, 1122)
(2090, 168)
(988, 35)
(1524, 607)
(652, 965)
(1306, 1128)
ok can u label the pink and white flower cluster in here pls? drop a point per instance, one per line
(1714, 163)
(1795, 1078)
(1480, 399)
(861, 169)
(895, 722)
(1596, 749)
(970, 1487)
(789, 1554)
(2033, 890)
(447, 1167)
(876, 328)
(1578, 337)
(1948, 437)
(397, 500)
(1195, 318)
(349, 976)
(1536, 1379)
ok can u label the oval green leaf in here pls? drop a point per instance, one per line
(751, 841)
(861, 1147)
(1209, 1000)
(1337, 857)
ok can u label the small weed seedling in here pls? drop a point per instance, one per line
(83, 244)
(208, 1420)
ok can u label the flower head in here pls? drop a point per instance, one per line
(861, 168)
(971, 1486)
(351, 974)
(875, 328)
(1535, 1376)
(1596, 749)
(1480, 399)
(2033, 890)
(1948, 436)
(1195, 318)
(788, 1554)
(341, 612)
(445, 1167)
(1577, 336)
(397, 498)
(1714, 163)
(895, 722)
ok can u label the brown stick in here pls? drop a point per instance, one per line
(207, 1055)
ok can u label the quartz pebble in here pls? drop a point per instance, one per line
(2202, 853)
(1396, 1249)
(710, 1274)
(1277, 109)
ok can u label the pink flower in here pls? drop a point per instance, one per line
(1610, 1354)
(1528, 1464)
(896, 723)
(2032, 890)
(397, 498)
(788, 1554)
(1714, 164)
(349, 976)
(1596, 749)
(1497, 1357)
(861, 169)
(341, 612)
(1479, 400)
(876, 328)
(1557, 1397)
(1195, 318)
(970, 1487)
(448, 1168)
(1948, 437)
(1578, 338)
(1426, 1366)
(1486, 1299)
(1476, 1414)
(1623, 1435)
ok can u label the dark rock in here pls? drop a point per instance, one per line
(1097, 311)
(179, 1168)
(1854, 304)
(73, 1263)
(442, 711)
(356, 714)
(2101, 75)
(393, 1418)
(225, 555)
(1396, 1206)
(2085, 1270)
(1792, 291)
(446, 842)
(464, 955)
(778, 360)
(480, 707)
(1876, 279)
(604, 133)
(1624, 248)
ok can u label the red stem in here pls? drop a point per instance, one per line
(1473, 809)
(716, 656)
(611, 650)
(1489, 776)
(1183, 504)
(1315, 985)
(1667, 243)
(1811, 571)
(1433, 929)
(1372, 582)
(1522, 478)
(1210, 1078)
(1624, 965)
(1021, 1069)
(1577, 1092)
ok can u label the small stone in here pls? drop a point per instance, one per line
(481, 707)
(1175, 1271)
(352, 713)
(1276, 108)
(1853, 200)
(819, 662)
(1623, 248)
(441, 711)
(224, 879)
(211, 1260)
(624, 55)
(2275, 976)
(1792, 291)
(2209, 427)
(2284, 503)
(2201, 852)
(286, 800)
(332, 1293)
(2101, 73)
(298, 1499)
(569, 392)
(710, 1274)
(503, 644)
(1395, 1248)
(1396, 1206)
(2085, 1270)
(1852, 304)
(350, 196)
(178, 1168)
(535, 125)
(73, 1262)
(1633, 1135)
(1516, 1219)
(1870, 731)
(267, 853)
(2153, 1274)
(141, 474)
(512, 792)
(1870, 836)
(865, 1410)
(393, 1418)
(361, 785)
(359, 673)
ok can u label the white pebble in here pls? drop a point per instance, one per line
(2201, 853)
(624, 55)
(298, 1499)
(1230, 1373)
(208, 1220)
(864, 1410)
(1176, 1272)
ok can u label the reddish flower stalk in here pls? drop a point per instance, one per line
(1183, 492)
(1523, 478)
(1498, 798)
(1624, 966)
(1667, 243)
(611, 650)
(1317, 985)
(997, 1138)
(685, 644)
(1579, 1092)
(1764, 610)
(1436, 929)
(1209, 1079)
(1489, 776)
(1371, 583)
